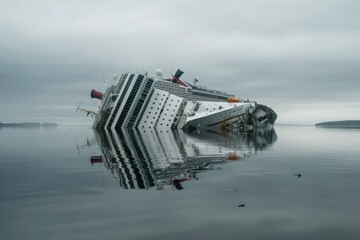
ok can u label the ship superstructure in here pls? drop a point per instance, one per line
(138, 101)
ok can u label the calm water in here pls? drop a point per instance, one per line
(158, 185)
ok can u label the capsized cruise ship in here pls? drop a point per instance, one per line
(149, 158)
(139, 101)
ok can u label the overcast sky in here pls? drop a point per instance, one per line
(301, 58)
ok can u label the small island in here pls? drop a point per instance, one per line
(340, 124)
(28, 124)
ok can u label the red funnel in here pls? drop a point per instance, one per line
(96, 94)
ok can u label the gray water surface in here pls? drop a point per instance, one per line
(173, 185)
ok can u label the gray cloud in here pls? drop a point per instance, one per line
(299, 57)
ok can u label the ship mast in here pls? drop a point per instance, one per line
(88, 112)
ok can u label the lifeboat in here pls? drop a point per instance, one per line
(233, 99)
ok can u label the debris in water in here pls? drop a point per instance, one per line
(298, 175)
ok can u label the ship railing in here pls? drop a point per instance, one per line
(204, 89)
(213, 92)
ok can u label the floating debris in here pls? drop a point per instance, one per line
(298, 175)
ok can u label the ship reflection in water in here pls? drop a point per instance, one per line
(145, 159)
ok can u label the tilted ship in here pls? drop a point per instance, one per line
(139, 101)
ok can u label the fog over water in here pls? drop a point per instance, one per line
(299, 57)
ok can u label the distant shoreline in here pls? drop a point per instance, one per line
(28, 124)
(340, 124)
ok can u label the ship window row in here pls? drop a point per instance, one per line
(129, 101)
(155, 108)
(135, 113)
(140, 103)
(121, 98)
